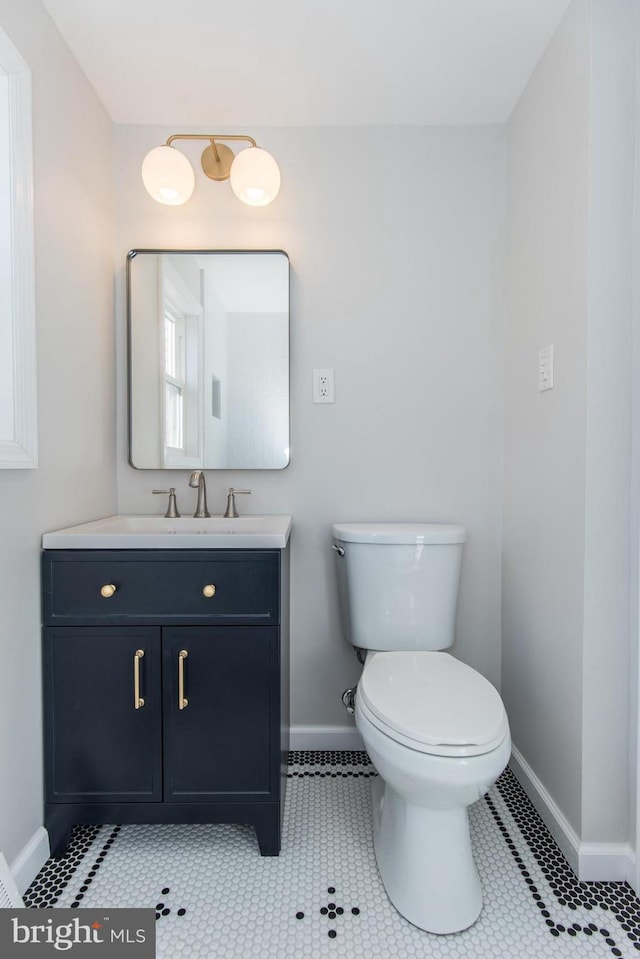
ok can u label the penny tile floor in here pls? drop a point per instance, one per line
(216, 898)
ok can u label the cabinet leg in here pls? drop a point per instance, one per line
(59, 842)
(268, 835)
(59, 830)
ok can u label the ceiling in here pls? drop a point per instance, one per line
(248, 63)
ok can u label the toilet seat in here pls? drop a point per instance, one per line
(432, 702)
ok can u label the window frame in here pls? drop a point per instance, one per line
(176, 298)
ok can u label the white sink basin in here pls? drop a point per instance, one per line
(157, 532)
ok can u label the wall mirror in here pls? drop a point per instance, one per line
(208, 359)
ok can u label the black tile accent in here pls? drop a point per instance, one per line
(113, 835)
(332, 911)
(327, 757)
(330, 764)
(322, 774)
(162, 909)
(569, 892)
(55, 875)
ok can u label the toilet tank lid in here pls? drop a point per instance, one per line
(400, 533)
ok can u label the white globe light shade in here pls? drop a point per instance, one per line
(255, 177)
(168, 176)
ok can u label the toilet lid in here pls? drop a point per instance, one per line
(433, 699)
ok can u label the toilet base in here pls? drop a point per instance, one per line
(425, 861)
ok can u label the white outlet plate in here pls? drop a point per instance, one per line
(323, 386)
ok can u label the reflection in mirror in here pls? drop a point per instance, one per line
(208, 359)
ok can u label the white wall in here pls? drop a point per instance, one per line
(608, 535)
(76, 407)
(544, 433)
(396, 283)
(567, 452)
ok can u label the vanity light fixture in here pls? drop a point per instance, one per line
(169, 178)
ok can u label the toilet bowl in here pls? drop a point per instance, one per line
(419, 803)
(435, 729)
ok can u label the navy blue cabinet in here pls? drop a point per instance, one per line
(220, 743)
(165, 688)
(102, 748)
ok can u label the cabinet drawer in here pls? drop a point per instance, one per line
(211, 587)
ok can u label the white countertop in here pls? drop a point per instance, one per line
(184, 532)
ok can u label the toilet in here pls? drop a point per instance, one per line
(434, 728)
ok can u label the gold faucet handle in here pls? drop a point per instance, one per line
(231, 511)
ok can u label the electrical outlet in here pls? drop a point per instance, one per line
(323, 386)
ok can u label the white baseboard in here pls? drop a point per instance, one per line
(30, 860)
(607, 862)
(591, 861)
(549, 811)
(326, 737)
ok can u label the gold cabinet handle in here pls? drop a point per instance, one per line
(182, 702)
(138, 701)
(107, 590)
(209, 590)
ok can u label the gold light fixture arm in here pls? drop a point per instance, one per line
(210, 137)
(217, 158)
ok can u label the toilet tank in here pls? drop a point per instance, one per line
(398, 583)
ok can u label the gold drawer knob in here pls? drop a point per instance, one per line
(209, 590)
(107, 590)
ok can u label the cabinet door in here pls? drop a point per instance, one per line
(102, 744)
(221, 720)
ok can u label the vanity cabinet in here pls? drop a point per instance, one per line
(165, 688)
